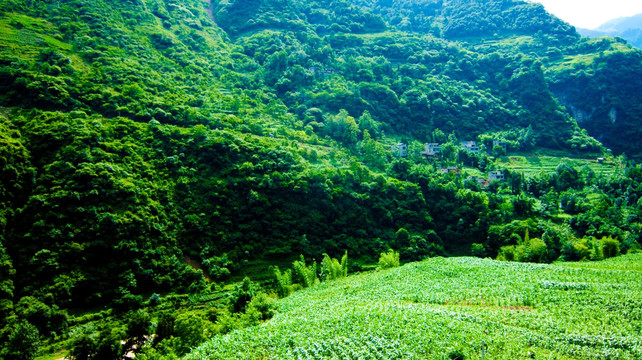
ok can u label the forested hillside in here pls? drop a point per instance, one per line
(152, 147)
(462, 66)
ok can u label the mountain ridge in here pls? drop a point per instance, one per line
(628, 28)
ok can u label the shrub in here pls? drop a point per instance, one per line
(165, 327)
(534, 251)
(86, 342)
(263, 304)
(610, 247)
(217, 267)
(306, 275)
(242, 295)
(154, 300)
(192, 329)
(333, 269)
(530, 250)
(595, 250)
(83, 343)
(507, 253)
(389, 259)
(23, 342)
(228, 322)
(138, 325)
(284, 285)
(576, 250)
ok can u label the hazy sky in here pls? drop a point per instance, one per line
(590, 14)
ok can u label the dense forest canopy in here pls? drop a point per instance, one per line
(140, 137)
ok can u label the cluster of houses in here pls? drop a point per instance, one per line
(432, 149)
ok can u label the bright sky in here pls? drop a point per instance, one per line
(589, 14)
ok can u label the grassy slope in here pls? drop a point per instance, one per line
(437, 307)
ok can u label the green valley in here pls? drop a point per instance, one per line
(178, 173)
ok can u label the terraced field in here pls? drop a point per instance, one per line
(532, 164)
(455, 308)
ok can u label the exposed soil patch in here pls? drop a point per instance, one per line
(196, 265)
(210, 10)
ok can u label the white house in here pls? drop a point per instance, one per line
(400, 150)
(432, 149)
(496, 175)
(470, 146)
(500, 143)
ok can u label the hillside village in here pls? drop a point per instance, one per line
(432, 150)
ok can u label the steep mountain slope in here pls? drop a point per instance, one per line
(158, 147)
(633, 36)
(419, 76)
(457, 47)
(621, 24)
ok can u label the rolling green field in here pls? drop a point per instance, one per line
(455, 308)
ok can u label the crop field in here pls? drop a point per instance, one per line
(455, 308)
(22, 36)
(532, 165)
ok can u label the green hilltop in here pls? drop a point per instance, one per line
(154, 153)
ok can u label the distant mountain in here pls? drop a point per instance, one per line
(628, 28)
(622, 24)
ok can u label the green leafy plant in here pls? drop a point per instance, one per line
(332, 269)
(389, 259)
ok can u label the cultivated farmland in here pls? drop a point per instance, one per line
(455, 308)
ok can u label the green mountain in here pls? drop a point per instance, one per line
(490, 52)
(151, 147)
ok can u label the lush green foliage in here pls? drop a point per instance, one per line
(303, 276)
(389, 259)
(149, 146)
(332, 269)
(431, 309)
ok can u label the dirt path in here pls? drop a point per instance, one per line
(196, 266)
(210, 10)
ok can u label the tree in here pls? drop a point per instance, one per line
(402, 238)
(499, 151)
(478, 250)
(374, 154)
(23, 342)
(343, 128)
(192, 330)
(366, 122)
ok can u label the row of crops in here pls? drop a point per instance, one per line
(455, 308)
